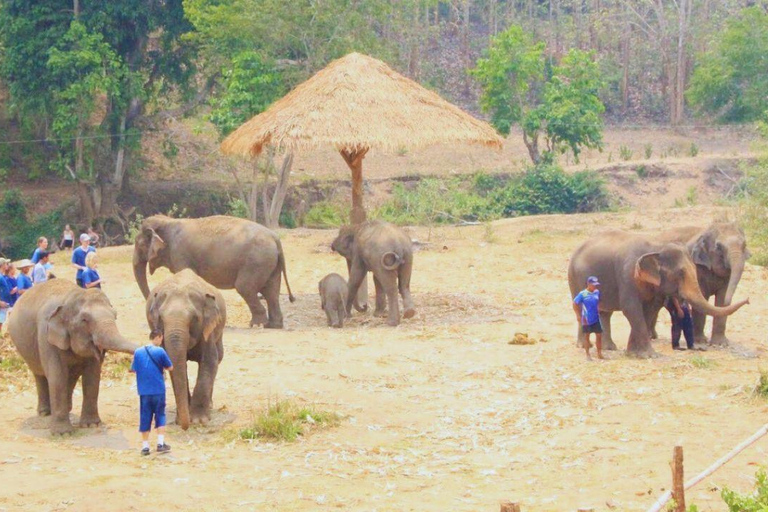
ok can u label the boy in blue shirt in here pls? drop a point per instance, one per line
(91, 277)
(78, 257)
(586, 306)
(148, 364)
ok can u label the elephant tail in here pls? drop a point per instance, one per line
(281, 263)
(391, 260)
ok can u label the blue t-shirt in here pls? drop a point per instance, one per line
(13, 283)
(90, 276)
(36, 255)
(589, 302)
(78, 258)
(149, 377)
(5, 290)
(24, 282)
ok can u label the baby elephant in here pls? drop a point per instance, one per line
(333, 299)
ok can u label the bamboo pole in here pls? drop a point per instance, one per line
(678, 481)
(664, 498)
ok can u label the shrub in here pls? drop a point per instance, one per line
(326, 214)
(238, 208)
(757, 501)
(134, 228)
(693, 150)
(19, 233)
(434, 201)
(648, 151)
(549, 189)
(761, 388)
(642, 171)
(625, 153)
(285, 421)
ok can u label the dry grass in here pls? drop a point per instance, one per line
(286, 420)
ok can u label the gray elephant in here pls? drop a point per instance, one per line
(720, 253)
(333, 299)
(62, 331)
(636, 273)
(191, 314)
(225, 251)
(387, 252)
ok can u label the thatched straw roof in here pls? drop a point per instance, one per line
(356, 103)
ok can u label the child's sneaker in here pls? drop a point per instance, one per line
(145, 451)
(162, 448)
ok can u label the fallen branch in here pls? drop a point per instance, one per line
(664, 498)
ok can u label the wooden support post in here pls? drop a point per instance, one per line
(354, 159)
(589, 509)
(678, 480)
(509, 506)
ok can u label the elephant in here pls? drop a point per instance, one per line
(227, 252)
(62, 331)
(333, 299)
(636, 274)
(191, 314)
(720, 254)
(386, 250)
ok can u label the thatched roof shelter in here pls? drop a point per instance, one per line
(355, 104)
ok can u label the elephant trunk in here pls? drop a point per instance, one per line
(692, 293)
(176, 343)
(109, 338)
(736, 260)
(140, 272)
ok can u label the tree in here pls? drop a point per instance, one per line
(731, 79)
(557, 101)
(55, 53)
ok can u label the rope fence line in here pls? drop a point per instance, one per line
(137, 133)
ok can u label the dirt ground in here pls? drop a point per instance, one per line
(440, 413)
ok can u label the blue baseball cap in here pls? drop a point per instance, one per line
(593, 280)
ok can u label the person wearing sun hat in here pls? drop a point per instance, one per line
(23, 281)
(5, 292)
(586, 306)
(79, 255)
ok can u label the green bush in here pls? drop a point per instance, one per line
(326, 214)
(434, 201)
(625, 153)
(757, 501)
(134, 228)
(285, 421)
(20, 234)
(549, 189)
(238, 208)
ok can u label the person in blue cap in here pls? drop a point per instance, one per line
(586, 306)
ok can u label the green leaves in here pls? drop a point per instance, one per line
(731, 79)
(251, 84)
(755, 502)
(561, 101)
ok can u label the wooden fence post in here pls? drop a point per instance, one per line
(509, 506)
(678, 481)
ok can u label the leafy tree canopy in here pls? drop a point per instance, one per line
(731, 80)
(560, 101)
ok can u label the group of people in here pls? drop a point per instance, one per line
(16, 278)
(586, 306)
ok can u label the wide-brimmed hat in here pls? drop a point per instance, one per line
(3, 261)
(23, 264)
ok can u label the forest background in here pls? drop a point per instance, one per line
(85, 85)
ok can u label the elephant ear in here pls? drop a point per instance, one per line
(153, 313)
(156, 245)
(55, 329)
(344, 242)
(212, 316)
(647, 269)
(700, 250)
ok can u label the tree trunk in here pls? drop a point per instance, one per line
(272, 208)
(679, 92)
(625, 45)
(533, 147)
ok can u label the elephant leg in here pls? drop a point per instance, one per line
(89, 416)
(202, 399)
(249, 287)
(271, 292)
(43, 396)
(718, 323)
(605, 323)
(361, 300)
(389, 282)
(357, 274)
(74, 376)
(652, 320)
(342, 313)
(639, 344)
(329, 317)
(58, 389)
(404, 284)
(381, 299)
